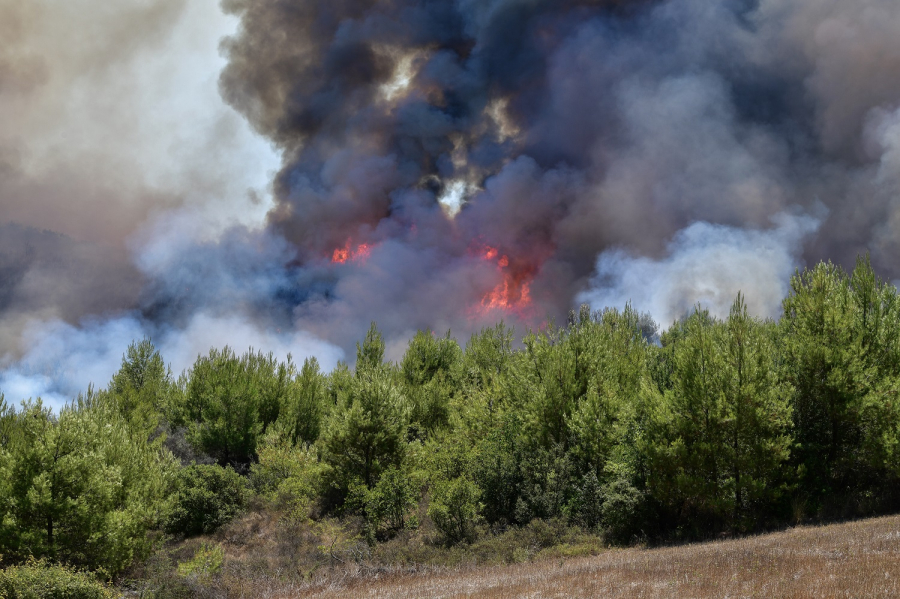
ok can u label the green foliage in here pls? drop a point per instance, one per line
(207, 561)
(389, 503)
(427, 371)
(305, 404)
(481, 399)
(43, 580)
(367, 434)
(624, 510)
(142, 387)
(842, 356)
(288, 474)
(370, 353)
(497, 470)
(205, 498)
(455, 509)
(586, 508)
(81, 487)
(714, 425)
(230, 400)
(725, 422)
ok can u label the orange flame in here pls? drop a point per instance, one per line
(513, 294)
(350, 254)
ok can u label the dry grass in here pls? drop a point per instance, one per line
(858, 559)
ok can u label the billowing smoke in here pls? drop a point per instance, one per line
(443, 163)
(708, 265)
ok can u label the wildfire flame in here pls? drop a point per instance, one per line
(513, 293)
(350, 254)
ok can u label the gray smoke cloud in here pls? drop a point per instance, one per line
(436, 164)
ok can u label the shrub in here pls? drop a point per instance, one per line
(455, 509)
(288, 475)
(624, 510)
(207, 561)
(205, 498)
(587, 508)
(389, 503)
(41, 580)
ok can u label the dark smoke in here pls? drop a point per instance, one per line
(448, 163)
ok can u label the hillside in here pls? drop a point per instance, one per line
(857, 559)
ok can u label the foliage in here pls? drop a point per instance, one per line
(427, 371)
(367, 434)
(288, 474)
(205, 498)
(43, 580)
(81, 487)
(304, 405)
(230, 400)
(602, 426)
(842, 356)
(142, 387)
(389, 502)
(207, 561)
(455, 509)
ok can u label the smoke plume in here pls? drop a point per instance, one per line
(432, 164)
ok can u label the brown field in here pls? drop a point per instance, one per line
(857, 559)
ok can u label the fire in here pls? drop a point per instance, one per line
(513, 293)
(350, 254)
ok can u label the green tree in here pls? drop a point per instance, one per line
(688, 463)
(481, 399)
(757, 415)
(842, 353)
(205, 497)
(367, 432)
(142, 386)
(455, 509)
(305, 404)
(82, 487)
(427, 371)
(610, 369)
(727, 422)
(392, 498)
(230, 400)
(370, 353)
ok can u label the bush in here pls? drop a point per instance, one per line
(287, 475)
(623, 511)
(207, 561)
(41, 580)
(587, 508)
(455, 509)
(205, 498)
(389, 503)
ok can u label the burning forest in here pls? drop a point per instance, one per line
(280, 174)
(627, 267)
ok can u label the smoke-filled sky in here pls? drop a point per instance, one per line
(280, 173)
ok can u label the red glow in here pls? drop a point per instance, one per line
(350, 254)
(513, 293)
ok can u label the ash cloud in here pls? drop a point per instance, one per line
(444, 164)
(575, 127)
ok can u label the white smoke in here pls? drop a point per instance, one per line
(63, 360)
(706, 264)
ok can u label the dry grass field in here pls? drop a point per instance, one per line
(857, 559)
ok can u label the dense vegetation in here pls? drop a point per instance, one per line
(712, 426)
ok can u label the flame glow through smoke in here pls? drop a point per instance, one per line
(350, 253)
(512, 295)
(426, 165)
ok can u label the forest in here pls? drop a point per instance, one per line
(604, 424)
